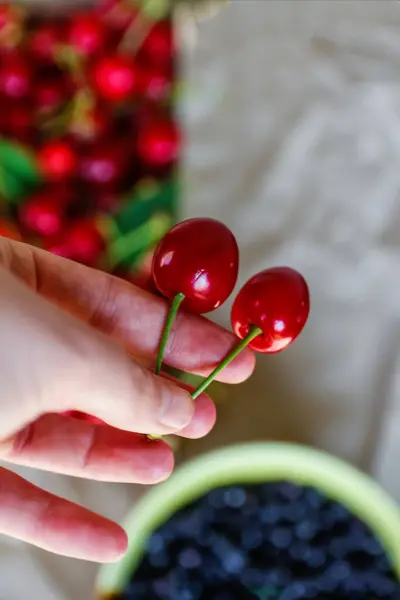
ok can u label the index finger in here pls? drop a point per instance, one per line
(132, 316)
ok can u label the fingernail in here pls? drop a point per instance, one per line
(177, 407)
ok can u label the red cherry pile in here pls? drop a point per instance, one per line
(91, 100)
(196, 266)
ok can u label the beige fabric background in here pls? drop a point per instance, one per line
(293, 122)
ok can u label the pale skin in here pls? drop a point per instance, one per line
(73, 338)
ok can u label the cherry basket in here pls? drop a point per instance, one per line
(89, 141)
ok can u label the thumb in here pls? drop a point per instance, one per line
(52, 362)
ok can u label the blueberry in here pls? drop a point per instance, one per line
(251, 538)
(271, 515)
(289, 491)
(235, 497)
(253, 578)
(189, 558)
(380, 586)
(281, 537)
(315, 558)
(234, 562)
(295, 591)
(305, 530)
(339, 571)
(161, 587)
(156, 543)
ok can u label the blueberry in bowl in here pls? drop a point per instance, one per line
(260, 521)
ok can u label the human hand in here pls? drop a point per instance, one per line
(73, 338)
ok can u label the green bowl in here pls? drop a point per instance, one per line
(254, 463)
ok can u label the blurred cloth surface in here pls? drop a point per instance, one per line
(292, 111)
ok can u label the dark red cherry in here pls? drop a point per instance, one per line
(17, 122)
(275, 300)
(57, 160)
(42, 214)
(44, 41)
(15, 76)
(50, 94)
(83, 242)
(155, 82)
(114, 78)
(103, 165)
(200, 259)
(117, 14)
(158, 47)
(87, 34)
(158, 143)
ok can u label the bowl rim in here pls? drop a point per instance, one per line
(254, 462)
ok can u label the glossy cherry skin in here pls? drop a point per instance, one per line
(15, 76)
(42, 215)
(117, 14)
(50, 94)
(17, 121)
(200, 259)
(158, 143)
(57, 160)
(87, 34)
(103, 165)
(277, 301)
(158, 47)
(82, 242)
(155, 82)
(44, 42)
(114, 78)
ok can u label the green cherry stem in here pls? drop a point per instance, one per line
(176, 302)
(253, 333)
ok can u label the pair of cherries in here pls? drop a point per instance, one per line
(196, 266)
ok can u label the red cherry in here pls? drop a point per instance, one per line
(114, 78)
(44, 42)
(57, 160)
(50, 94)
(15, 76)
(155, 82)
(42, 214)
(200, 259)
(87, 34)
(158, 47)
(17, 122)
(8, 230)
(103, 166)
(83, 242)
(76, 414)
(117, 14)
(275, 300)
(158, 143)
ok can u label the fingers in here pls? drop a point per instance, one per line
(132, 316)
(54, 524)
(53, 362)
(78, 448)
(204, 417)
